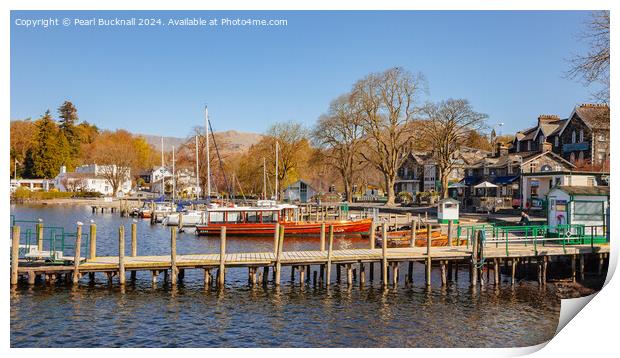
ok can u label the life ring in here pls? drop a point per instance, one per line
(559, 218)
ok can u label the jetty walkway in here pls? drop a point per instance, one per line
(479, 254)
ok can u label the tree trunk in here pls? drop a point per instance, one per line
(444, 186)
(389, 187)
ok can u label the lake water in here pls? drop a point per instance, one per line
(141, 315)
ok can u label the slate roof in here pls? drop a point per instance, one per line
(594, 115)
(585, 190)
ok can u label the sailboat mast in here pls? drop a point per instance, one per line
(197, 175)
(163, 173)
(264, 179)
(174, 181)
(208, 195)
(276, 193)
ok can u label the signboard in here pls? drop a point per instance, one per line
(567, 148)
(560, 205)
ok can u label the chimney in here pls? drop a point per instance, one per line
(63, 169)
(546, 118)
(501, 150)
(546, 147)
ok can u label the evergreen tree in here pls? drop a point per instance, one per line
(68, 121)
(45, 159)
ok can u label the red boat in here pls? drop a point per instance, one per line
(261, 221)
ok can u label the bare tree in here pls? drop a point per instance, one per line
(340, 134)
(116, 153)
(593, 66)
(74, 184)
(447, 126)
(386, 102)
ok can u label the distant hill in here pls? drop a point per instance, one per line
(237, 141)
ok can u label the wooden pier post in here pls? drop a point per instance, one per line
(121, 255)
(373, 230)
(513, 268)
(278, 269)
(582, 265)
(394, 274)
(330, 247)
(384, 264)
(450, 233)
(322, 242)
(544, 269)
(428, 238)
(222, 269)
(308, 267)
(338, 267)
(92, 243)
(134, 240)
(349, 275)
(40, 236)
(496, 271)
(265, 275)
(76, 258)
(362, 274)
(207, 277)
(573, 265)
(173, 256)
(276, 238)
(413, 232)
(302, 276)
(474, 260)
(14, 255)
(410, 272)
(444, 278)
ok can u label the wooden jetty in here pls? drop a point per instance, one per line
(476, 256)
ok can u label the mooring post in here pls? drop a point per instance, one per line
(77, 254)
(394, 274)
(322, 242)
(450, 233)
(544, 269)
(413, 232)
(173, 255)
(373, 229)
(278, 269)
(207, 277)
(14, 255)
(362, 274)
(474, 260)
(349, 275)
(496, 271)
(134, 240)
(121, 254)
(92, 243)
(384, 261)
(444, 278)
(330, 247)
(40, 236)
(276, 238)
(513, 269)
(428, 238)
(222, 269)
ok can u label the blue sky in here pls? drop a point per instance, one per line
(156, 80)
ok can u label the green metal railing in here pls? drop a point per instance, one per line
(52, 244)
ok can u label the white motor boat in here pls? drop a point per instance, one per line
(190, 218)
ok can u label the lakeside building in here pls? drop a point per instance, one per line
(92, 178)
(556, 152)
(33, 184)
(299, 191)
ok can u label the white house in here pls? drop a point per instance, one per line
(91, 178)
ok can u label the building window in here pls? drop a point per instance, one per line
(601, 157)
(518, 146)
(602, 138)
(581, 136)
(580, 156)
(529, 145)
(572, 156)
(557, 141)
(574, 137)
(541, 140)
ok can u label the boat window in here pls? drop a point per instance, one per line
(270, 216)
(233, 217)
(253, 217)
(216, 217)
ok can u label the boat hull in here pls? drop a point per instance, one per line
(359, 227)
(401, 238)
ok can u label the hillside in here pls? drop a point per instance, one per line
(236, 141)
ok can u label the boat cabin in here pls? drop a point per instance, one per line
(251, 215)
